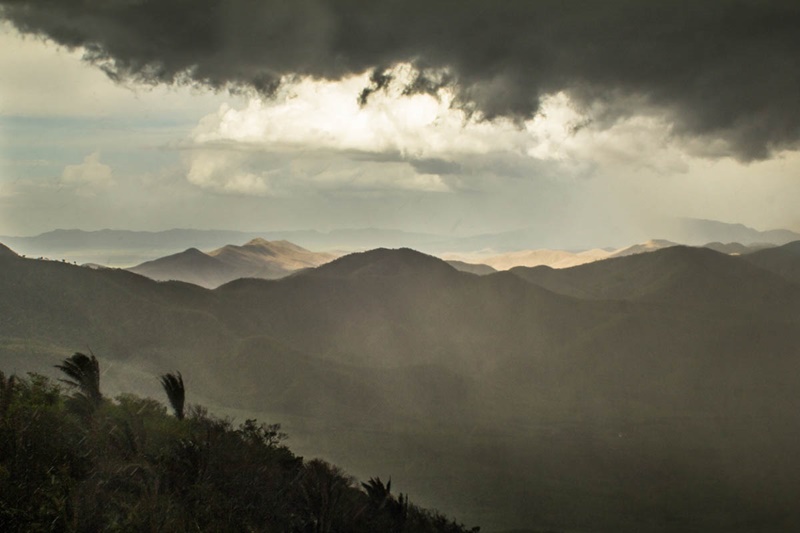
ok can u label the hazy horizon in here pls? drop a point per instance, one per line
(438, 132)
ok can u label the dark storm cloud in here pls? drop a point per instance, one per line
(723, 69)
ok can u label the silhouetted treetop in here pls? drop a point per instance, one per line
(84, 371)
(176, 393)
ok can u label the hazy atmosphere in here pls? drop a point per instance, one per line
(589, 123)
(345, 266)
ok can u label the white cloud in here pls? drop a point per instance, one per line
(320, 114)
(338, 173)
(312, 116)
(252, 172)
(221, 171)
(91, 172)
(315, 134)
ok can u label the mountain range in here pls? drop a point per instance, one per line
(263, 259)
(121, 248)
(650, 392)
(565, 259)
(257, 258)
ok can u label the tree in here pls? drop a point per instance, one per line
(176, 393)
(382, 502)
(84, 371)
(323, 487)
(6, 393)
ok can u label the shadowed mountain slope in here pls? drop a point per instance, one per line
(191, 266)
(678, 274)
(735, 248)
(783, 260)
(667, 390)
(394, 307)
(5, 251)
(478, 269)
(383, 262)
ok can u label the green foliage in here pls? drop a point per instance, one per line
(131, 467)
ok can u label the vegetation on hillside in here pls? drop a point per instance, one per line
(73, 460)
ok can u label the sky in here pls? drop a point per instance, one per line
(591, 122)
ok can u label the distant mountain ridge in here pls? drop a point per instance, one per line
(695, 231)
(531, 258)
(559, 259)
(257, 258)
(675, 273)
(123, 248)
(645, 247)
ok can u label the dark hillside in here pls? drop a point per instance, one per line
(675, 275)
(191, 266)
(473, 268)
(782, 260)
(107, 310)
(5, 251)
(401, 307)
(676, 399)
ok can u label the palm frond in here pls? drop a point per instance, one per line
(84, 371)
(176, 393)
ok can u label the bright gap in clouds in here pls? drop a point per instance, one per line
(398, 141)
(324, 114)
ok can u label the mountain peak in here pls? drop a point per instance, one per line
(384, 262)
(192, 252)
(258, 241)
(273, 246)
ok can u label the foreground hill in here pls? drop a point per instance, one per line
(662, 398)
(256, 259)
